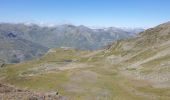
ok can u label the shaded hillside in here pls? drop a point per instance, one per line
(14, 49)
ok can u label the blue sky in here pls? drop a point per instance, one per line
(119, 13)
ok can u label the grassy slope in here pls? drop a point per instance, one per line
(100, 81)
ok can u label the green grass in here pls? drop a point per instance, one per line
(161, 93)
(149, 66)
(44, 82)
(141, 56)
(107, 81)
(158, 61)
(100, 82)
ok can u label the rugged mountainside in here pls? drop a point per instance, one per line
(132, 69)
(147, 56)
(79, 37)
(14, 49)
(20, 42)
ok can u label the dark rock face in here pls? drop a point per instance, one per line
(11, 35)
(1, 63)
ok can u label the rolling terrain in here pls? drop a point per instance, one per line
(131, 69)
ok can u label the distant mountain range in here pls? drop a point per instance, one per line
(21, 42)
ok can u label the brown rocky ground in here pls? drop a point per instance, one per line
(11, 93)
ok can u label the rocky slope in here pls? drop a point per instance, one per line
(12, 93)
(14, 49)
(147, 56)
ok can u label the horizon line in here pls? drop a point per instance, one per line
(54, 24)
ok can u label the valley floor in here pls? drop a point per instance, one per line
(78, 77)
